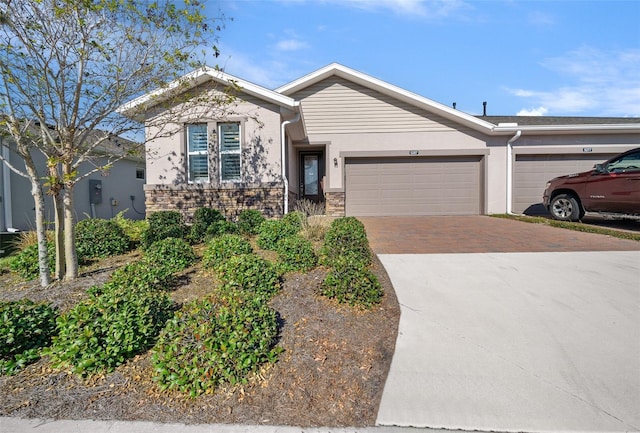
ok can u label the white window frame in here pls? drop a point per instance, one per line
(191, 153)
(222, 153)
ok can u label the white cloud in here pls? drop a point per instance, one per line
(291, 45)
(601, 83)
(540, 111)
(416, 8)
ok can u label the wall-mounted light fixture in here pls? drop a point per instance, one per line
(335, 162)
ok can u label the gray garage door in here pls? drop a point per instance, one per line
(531, 173)
(413, 186)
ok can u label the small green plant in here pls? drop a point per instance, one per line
(220, 228)
(208, 344)
(203, 218)
(98, 238)
(296, 254)
(222, 248)
(104, 331)
(26, 263)
(349, 282)
(346, 237)
(25, 328)
(133, 229)
(164, 224)
(249, 221)
(272, 231)
(139, 276)
(250, 273)
(172, 253)
(294, 219)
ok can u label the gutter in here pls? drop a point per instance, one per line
(510, 170)
(283, 145)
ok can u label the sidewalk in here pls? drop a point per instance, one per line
(19, 425)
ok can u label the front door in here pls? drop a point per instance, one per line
(311, 173)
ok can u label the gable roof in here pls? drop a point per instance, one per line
(336, 69)
(136, 107)
(492, 125)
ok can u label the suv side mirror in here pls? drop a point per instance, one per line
(600, 169)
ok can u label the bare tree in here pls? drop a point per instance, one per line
(67, 65)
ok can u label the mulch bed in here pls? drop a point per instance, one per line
(331, 373)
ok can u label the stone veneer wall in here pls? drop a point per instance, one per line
(334, 204)
(230, 200)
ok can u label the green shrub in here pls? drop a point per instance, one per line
(103, 332)
(26, 262)
(220, 228)
(172, 253)
(133, 229)
(249, 221)
(139, 276)
(208, 344)
(164, 224)
(25, 328)
(272, 231)
(346, 237)
(203, 218)
(97, 238)
(222, 248)
(349, 282)
(296, 254)
(250, 273)
(295, 220)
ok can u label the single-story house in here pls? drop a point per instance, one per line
(361, 145)
(99, 195)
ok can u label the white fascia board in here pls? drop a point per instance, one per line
(619, 128)
(136, 107)
(387, 89)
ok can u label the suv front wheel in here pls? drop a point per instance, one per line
(565, 207)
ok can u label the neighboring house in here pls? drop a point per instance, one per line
(100, 195)
(362, 146)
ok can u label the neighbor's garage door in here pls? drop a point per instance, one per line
(531, 173)
(413, 186)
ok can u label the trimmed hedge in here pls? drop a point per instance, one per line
(222, 248)
(99, 238)
(346, 237)
(163, 224)
(249, 221)
(296, 254)
(249, 273)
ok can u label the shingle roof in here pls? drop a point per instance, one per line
(559, 120)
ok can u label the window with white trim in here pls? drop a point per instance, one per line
(230, 149)
(198, 153)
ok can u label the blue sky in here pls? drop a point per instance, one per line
(555, 58)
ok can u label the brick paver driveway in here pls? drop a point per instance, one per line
(480, 234)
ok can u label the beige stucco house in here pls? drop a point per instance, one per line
(361, 145)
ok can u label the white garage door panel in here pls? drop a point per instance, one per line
(531, 173)
(413, 186)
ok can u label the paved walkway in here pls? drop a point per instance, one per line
(516, 327)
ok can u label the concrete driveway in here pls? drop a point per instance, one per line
(509, 326)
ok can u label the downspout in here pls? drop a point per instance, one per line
(6, 189)
(285, 181)
(509, 170)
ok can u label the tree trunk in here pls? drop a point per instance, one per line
(58, 207)
(41, 230)
(71, 258)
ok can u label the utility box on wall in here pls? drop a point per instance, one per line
(95, 191)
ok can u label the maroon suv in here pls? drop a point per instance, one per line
(611, 187)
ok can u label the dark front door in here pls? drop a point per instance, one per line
(311, 173)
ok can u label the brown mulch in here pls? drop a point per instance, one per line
(331, 373)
